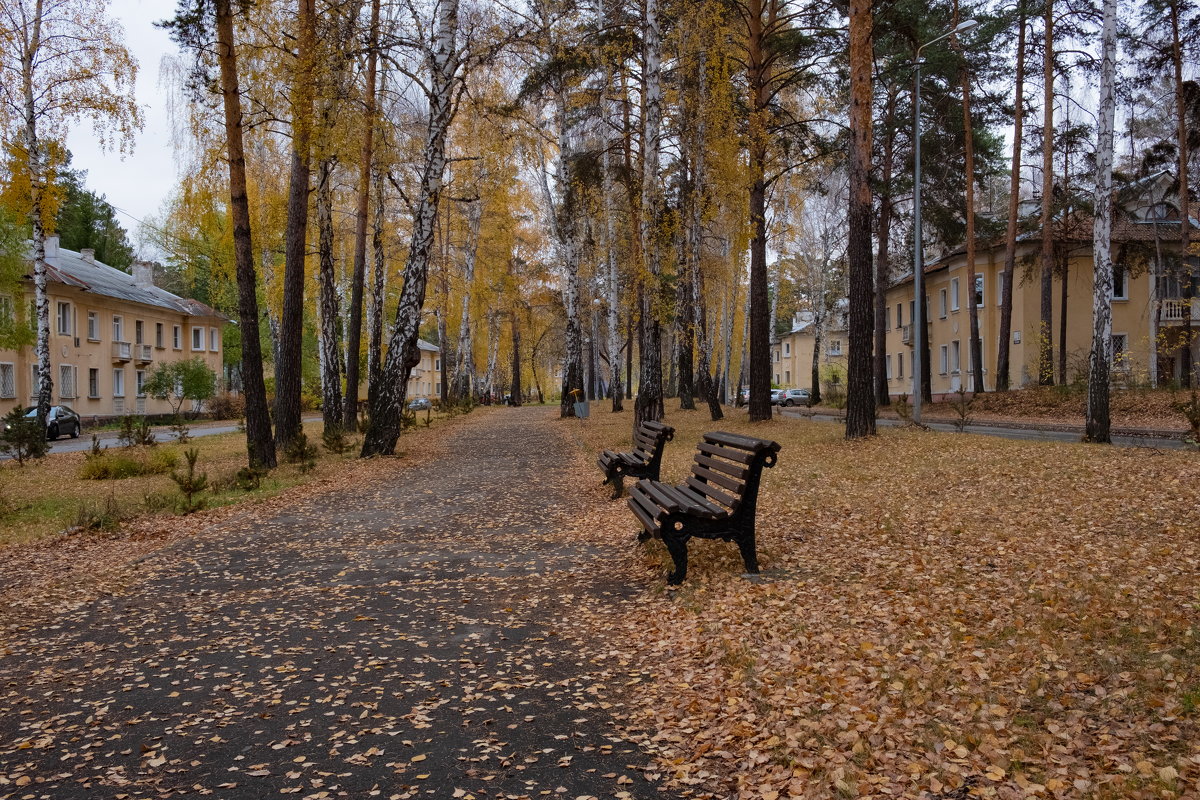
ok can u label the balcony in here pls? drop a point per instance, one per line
(906, 335)
(1176, 310)
(122, 351)
(143, 353)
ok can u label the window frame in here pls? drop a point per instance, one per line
(942, 303)
(197, 340)
(118, 382)
(954, 292)
(93, 385)
(214, 340)
(12, 369)
(943, 359)
(1124, 273)
(63, 318)
(93, 323)
(118, 327)
(158, 336)
(956, 357)
(64, 370)
(980, 288)
(176, 337)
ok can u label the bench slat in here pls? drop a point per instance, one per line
(659, 494)
(713, 492)
(643, 505)
(740, 442)
(740, 473)
(726, 452)
(697, 504)
(732, 485)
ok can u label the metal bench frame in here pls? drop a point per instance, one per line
(645, 461)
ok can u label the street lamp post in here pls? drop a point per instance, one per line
(918, 320)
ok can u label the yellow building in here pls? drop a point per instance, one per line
(426, 378)
(1149, 310)
(107, 331)
(792, 355)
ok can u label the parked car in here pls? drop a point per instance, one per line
(60, 420)
(420, 404)
(777, 396)
(795, 397)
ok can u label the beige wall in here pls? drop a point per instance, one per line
(792, 357)
(1133, 319)
(98, 350)
(426, 378)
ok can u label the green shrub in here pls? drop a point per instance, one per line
(106, 516)
(108, 465)
(301, 453)
(336, 441)
(136, 432)
(249, 479)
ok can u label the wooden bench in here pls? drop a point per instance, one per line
(718, 500)
(644, 462)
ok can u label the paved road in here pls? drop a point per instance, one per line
(398, 640)
(1003, 431)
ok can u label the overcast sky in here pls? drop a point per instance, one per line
(138, 184)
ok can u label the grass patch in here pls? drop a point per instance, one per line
(128, 463)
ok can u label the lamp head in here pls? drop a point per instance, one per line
(966, 25)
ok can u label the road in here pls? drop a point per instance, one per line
(1006, 432)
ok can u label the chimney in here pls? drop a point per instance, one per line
(88, 255)
(143, 274)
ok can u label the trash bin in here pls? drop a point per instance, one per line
(581, 409)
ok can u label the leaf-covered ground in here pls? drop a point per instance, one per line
(939, 616)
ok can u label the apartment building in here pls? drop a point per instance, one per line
(107, 331)
(426, 378)
(792, 355)
(1152, 307)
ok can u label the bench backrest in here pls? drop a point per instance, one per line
(728, 466)
(650, 438)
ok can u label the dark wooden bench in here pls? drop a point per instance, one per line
(718, 500)
(643, 462)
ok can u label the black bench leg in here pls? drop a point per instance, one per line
(677, 547)
(745, 544)
(618, 482)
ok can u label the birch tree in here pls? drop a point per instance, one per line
(649, 403)
(61, 61)
(1100, 360)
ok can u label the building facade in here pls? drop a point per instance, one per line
(426, 379)
(792, 355)
(107, 331)
(1153, 308)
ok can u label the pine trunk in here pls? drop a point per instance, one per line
(375, 307)
(1045, 344)
(1014, 200)
(883, 234)
(758, 75)
(860, 399)
(974, 345)
(260, 447)
(1187, 278)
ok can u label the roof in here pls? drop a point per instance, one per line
(424, 345)
(70, 268)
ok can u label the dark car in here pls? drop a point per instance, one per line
(61, 420)
(795, 397)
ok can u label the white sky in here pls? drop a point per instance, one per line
(137, 185)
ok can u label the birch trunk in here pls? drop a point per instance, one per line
(378, 279)
(464, 368)
(260, 447)
(489, 377)
(403, 353)
(1100, 362)
(1010, 238)
(329, 312)
(649, 404)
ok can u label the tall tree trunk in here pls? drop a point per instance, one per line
(515, 391)
(444, 347)
(883, 234)
(818, 340)
(354, 323)
(684, 340)
(493, 353)
(1065, 267)
(974, 345)
(330, 315)
(1014, 200)
(611, 276)
(649, 404)
(860, 399)
(375, 307)
(1187, 277)
(1100, 361)
(260, 447)
(694, 242)
(464, 367)
(403, 353)
(1045, 365)
(758, 75)
(629, 358)
(291, 335)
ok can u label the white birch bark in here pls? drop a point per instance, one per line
(403, 353)
(649, 403)
(329, 314)
(464, 370)
(1098, 420)
(375, 301)
(611, 272)
(45, 387)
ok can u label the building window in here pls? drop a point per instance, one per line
(118, 329)
(64, 318)
(912, 312)
(835, 347)
(177, 337)
(787, 349)
(887, 364)
(118, 383)
(437, 365)
(887, 317)
(6, 309)
(787, 376)
(197, 338)
(66, 382)
(899, 316)
(1120, 283)
(999, 288)
(214, 342)
(139, 332)
(8, 381)
(900, 365)
(140, 380)
(1120, 344)
(93, 326)
(158, 335)
(943, 359)
(954, 356)
(942, 303)
(775, 357)
(979, 290)
(954, 294)
(93, 383)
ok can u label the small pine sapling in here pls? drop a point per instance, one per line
(23, 438)
(250, 478)
(336, 441)
(179, 427)
(190, 483)
(903, 408)
(961, 404)
(301, 453)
